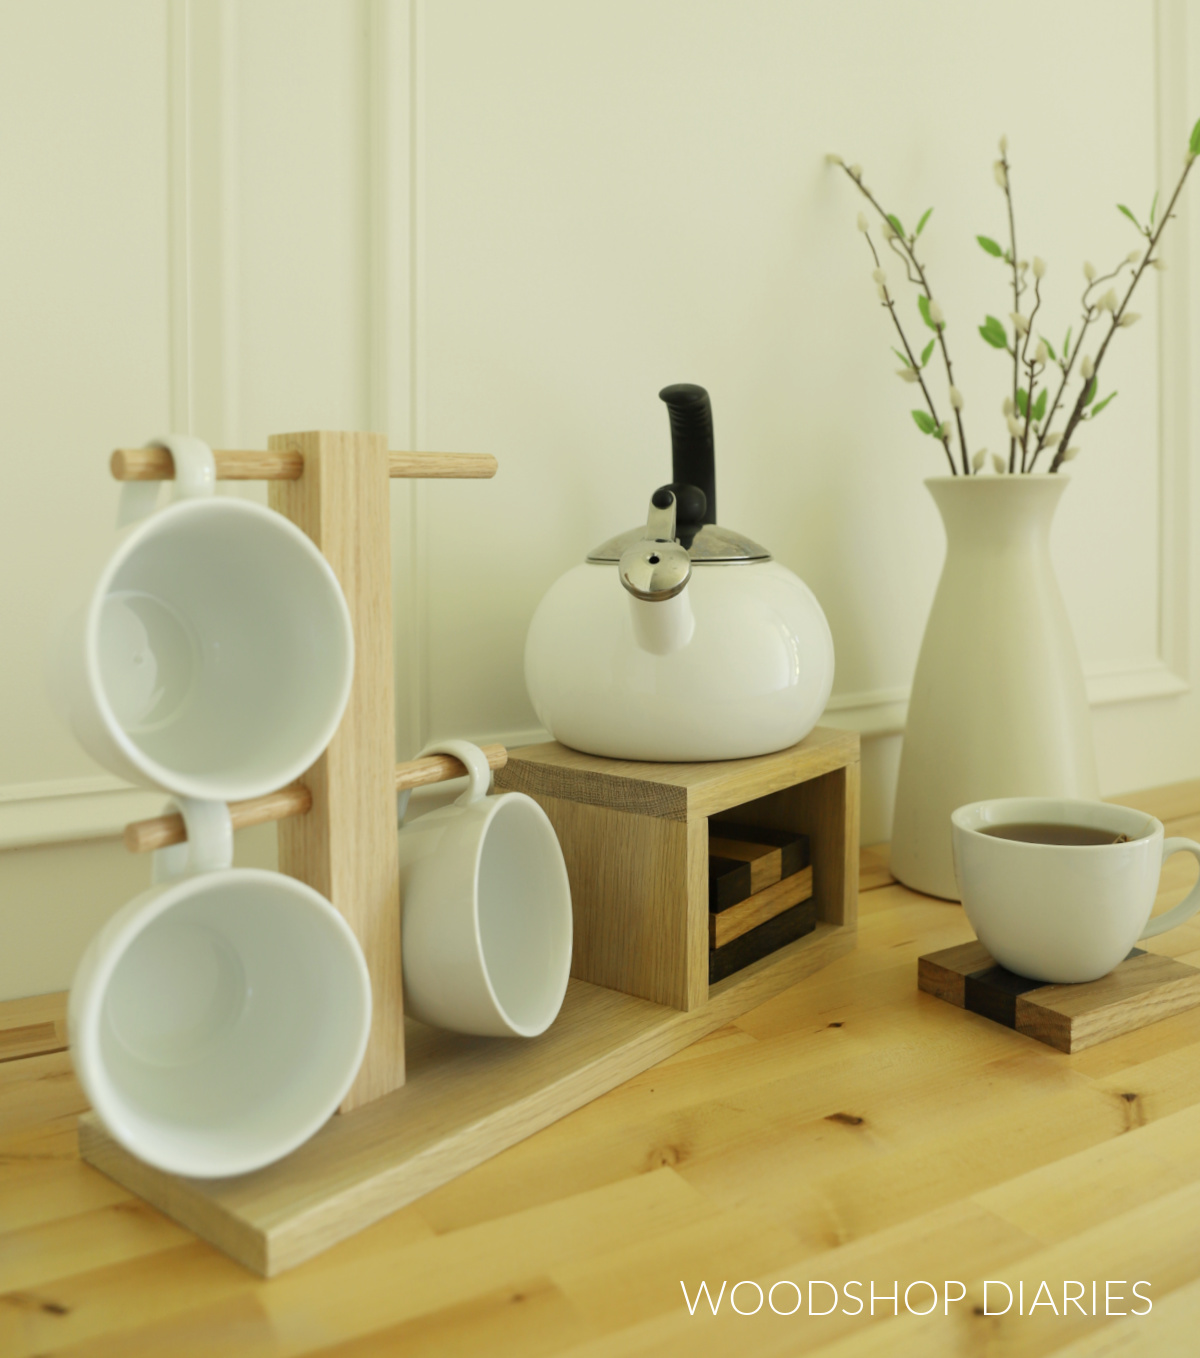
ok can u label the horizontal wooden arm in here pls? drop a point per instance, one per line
(156, 464)
(143, 836)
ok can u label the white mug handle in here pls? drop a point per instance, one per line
(195, 475)
(1189, 905)
(478, 770)
(209, 843)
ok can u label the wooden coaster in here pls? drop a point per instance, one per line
(1142, 990)
(746, 859)
(726, 925)
(767, 938)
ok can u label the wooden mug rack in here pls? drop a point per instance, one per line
(427, 1105)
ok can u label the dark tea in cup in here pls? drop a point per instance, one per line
(1044, 832)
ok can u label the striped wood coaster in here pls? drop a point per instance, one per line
(1143, 989)
(765, 939)
(746, 859)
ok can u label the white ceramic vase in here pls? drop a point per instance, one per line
(998, 705)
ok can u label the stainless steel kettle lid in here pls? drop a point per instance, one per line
(694, 486)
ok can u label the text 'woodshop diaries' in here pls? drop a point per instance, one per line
(921, 1298)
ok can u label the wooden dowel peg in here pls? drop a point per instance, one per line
(144, 836)
(156, 464)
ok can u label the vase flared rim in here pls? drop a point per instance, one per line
(1007, 478)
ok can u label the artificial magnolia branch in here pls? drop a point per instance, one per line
(1026, 416)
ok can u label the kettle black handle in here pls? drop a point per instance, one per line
(692, 455)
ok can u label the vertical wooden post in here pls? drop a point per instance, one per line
(346, 846)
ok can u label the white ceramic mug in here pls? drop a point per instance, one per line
(214, 656)
(1063, 912)
(217, 1020)
(486, 905)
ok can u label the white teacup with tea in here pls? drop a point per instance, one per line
(1060, 890)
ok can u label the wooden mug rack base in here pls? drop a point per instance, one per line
(430, 1105)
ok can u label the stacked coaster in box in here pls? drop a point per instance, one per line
(760, 894)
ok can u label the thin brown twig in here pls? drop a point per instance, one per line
(909, 254)
(1077, 413)
(889, 302)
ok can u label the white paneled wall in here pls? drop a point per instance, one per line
(501, 228)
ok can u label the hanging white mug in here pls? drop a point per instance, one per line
(217, 1020)
(214, 656)
(486, 904)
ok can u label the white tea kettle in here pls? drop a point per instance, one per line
(681, 640)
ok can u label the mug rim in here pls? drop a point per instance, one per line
(967, 819)
(160, 775)
(95, 971)
(498, 800)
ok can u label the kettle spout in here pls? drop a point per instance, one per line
(665, 626)
(655, 573)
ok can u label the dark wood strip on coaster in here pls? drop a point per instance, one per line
(766, 938)
(1144, 988)
(729, 881)
(725, 926)
(746, 859)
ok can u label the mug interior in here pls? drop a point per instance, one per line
(230, 1025)
(1120, 820)
(524, 915)
(222, 649)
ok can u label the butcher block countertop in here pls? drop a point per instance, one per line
(850, 1131)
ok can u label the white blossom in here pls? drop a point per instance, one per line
(998, 464)
(1041, 354)
(882, 291)
(856, 171)
(1158, 263)
(1020, 322)
(1007, 408)
(1130, 318)
(1039, 267)
(1133, 256)
(979, 459)
(908, 374)
(1069, 453)
(1001, 174)
(1089, 270)
(862, 221)
(1053, 440)
(889, 231)
(832, 158)
(1015, 427)
(944, 430)
(936, 315)
(879, 276)
(956, 399)
(1023, 265)
(1109, 301)
(1087, 367)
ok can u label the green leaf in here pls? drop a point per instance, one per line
(923, 306)
(1022, 402)
(1153, 207)
(924, 219)
(1090, 395)
(1049, 348)
(990, 246)
(902, 357)
(1099, 406)
(1039, 406)
(897, 226)
(1067, 345)
(994, 332)
(1122, 208)
(926, 352)
(924, 422)
(1194, 142)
